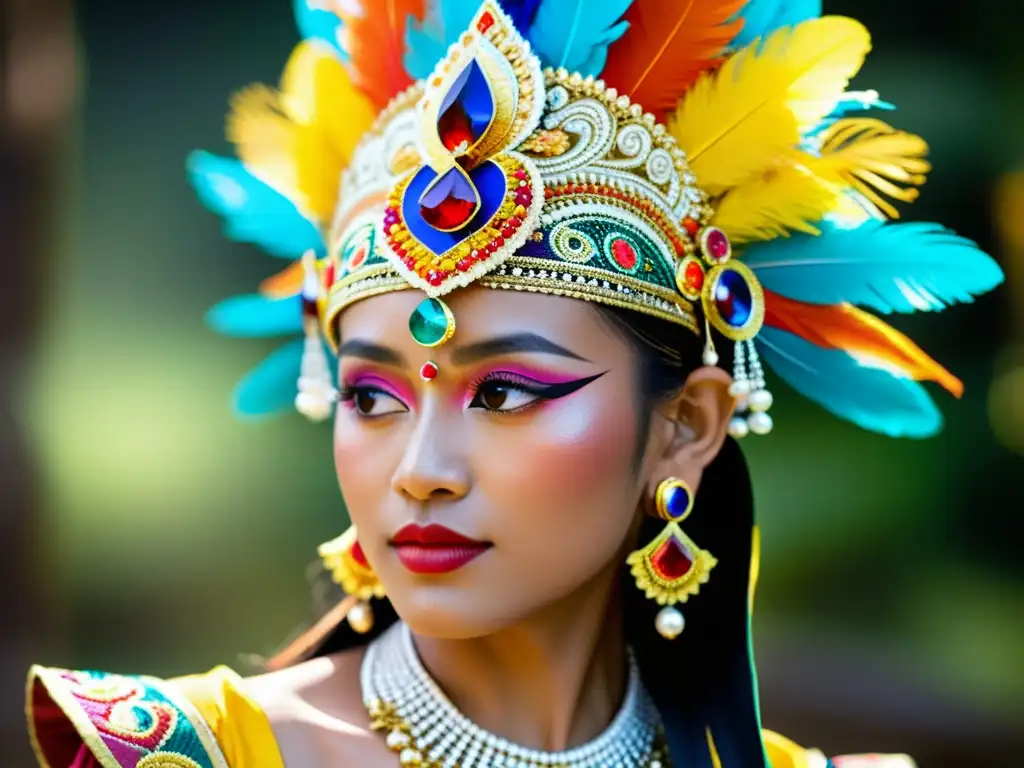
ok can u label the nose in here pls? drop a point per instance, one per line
(433, 467)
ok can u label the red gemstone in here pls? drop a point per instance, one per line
(524, 197)
(463, 264)
(515, 222)
(671, 561)
(329, 274)
(455, 128)
(428, 371)
(486, 21)
(497, 243)
(435, 278)
(694, 276)
(450, 213)
(716, 244)
(520, 174)
(507, 231)
(358, 555)
(690, 226)
(623, 253)
(476, 255)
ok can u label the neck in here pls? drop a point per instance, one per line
(551, 682)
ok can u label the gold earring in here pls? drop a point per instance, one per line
(347, 562)
(671, 567)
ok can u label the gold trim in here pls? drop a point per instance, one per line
(57, 690)
(203, 731)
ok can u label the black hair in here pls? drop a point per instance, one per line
(703, 682)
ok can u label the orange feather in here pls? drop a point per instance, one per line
(667, 46)
(287, 282)
(863, 336)
(374, 39)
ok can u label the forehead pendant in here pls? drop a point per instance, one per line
(471, 202)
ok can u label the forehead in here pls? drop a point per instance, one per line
(482, 313)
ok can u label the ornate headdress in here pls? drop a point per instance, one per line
(695, 161)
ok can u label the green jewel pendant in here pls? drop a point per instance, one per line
(432, 323)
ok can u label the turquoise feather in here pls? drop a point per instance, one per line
(254, 315)
(852, 101)
(886, 267)
(427, 43)
(272, 385)
(871, 398)
(576, 34)
(317, 24)
(253, 212)
(762, 17)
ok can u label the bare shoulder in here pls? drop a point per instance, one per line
(316, 711)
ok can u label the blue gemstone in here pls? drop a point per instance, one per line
(677, 501)
(733, 298)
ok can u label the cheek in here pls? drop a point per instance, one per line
(362, 464)
(570, 466)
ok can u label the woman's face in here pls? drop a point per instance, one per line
(525, 445)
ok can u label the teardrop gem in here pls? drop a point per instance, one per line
(358, 555)
(733, 298)
(450, 202)
(671, 561)
(431, 323)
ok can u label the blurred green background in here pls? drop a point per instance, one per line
(163, 535)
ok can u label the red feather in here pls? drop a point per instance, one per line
(374, 39)
(862, 335)
(667, 46)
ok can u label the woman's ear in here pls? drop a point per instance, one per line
(696, 422)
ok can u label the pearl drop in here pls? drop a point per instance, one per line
(761, 400)
(738, 427)
(669, 623)
(313, 406)
(360, 617)
(710, 356)
(739, 388)
(760, 423)
(397, 740)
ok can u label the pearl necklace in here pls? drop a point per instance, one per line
(426, 729)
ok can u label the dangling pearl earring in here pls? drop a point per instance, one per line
(671, 567)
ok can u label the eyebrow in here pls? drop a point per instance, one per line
(369, 351)
(507, 345)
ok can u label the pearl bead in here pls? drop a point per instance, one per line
(710, 357)
(761, 400)
(739, 388)
(738, 427)
(360, 617)
(760, 423)
(669, 623)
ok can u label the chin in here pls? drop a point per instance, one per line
(450, 613)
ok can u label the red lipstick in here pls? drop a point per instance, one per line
(435, 549)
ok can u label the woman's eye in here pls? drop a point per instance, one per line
(502, 397)
(373, 402)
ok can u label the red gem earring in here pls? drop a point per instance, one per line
(349, 568)
(671, 567)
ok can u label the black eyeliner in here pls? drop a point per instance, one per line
(556, 391)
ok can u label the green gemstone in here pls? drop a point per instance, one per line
(432, 323)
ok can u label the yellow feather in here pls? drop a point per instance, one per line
(734, 124)
(300, 139)
(874, 159)
(785, 197)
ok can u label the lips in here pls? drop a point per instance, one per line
(435, 549)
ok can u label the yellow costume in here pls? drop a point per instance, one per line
(89, 719)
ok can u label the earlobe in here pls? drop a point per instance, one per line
(701, 413)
